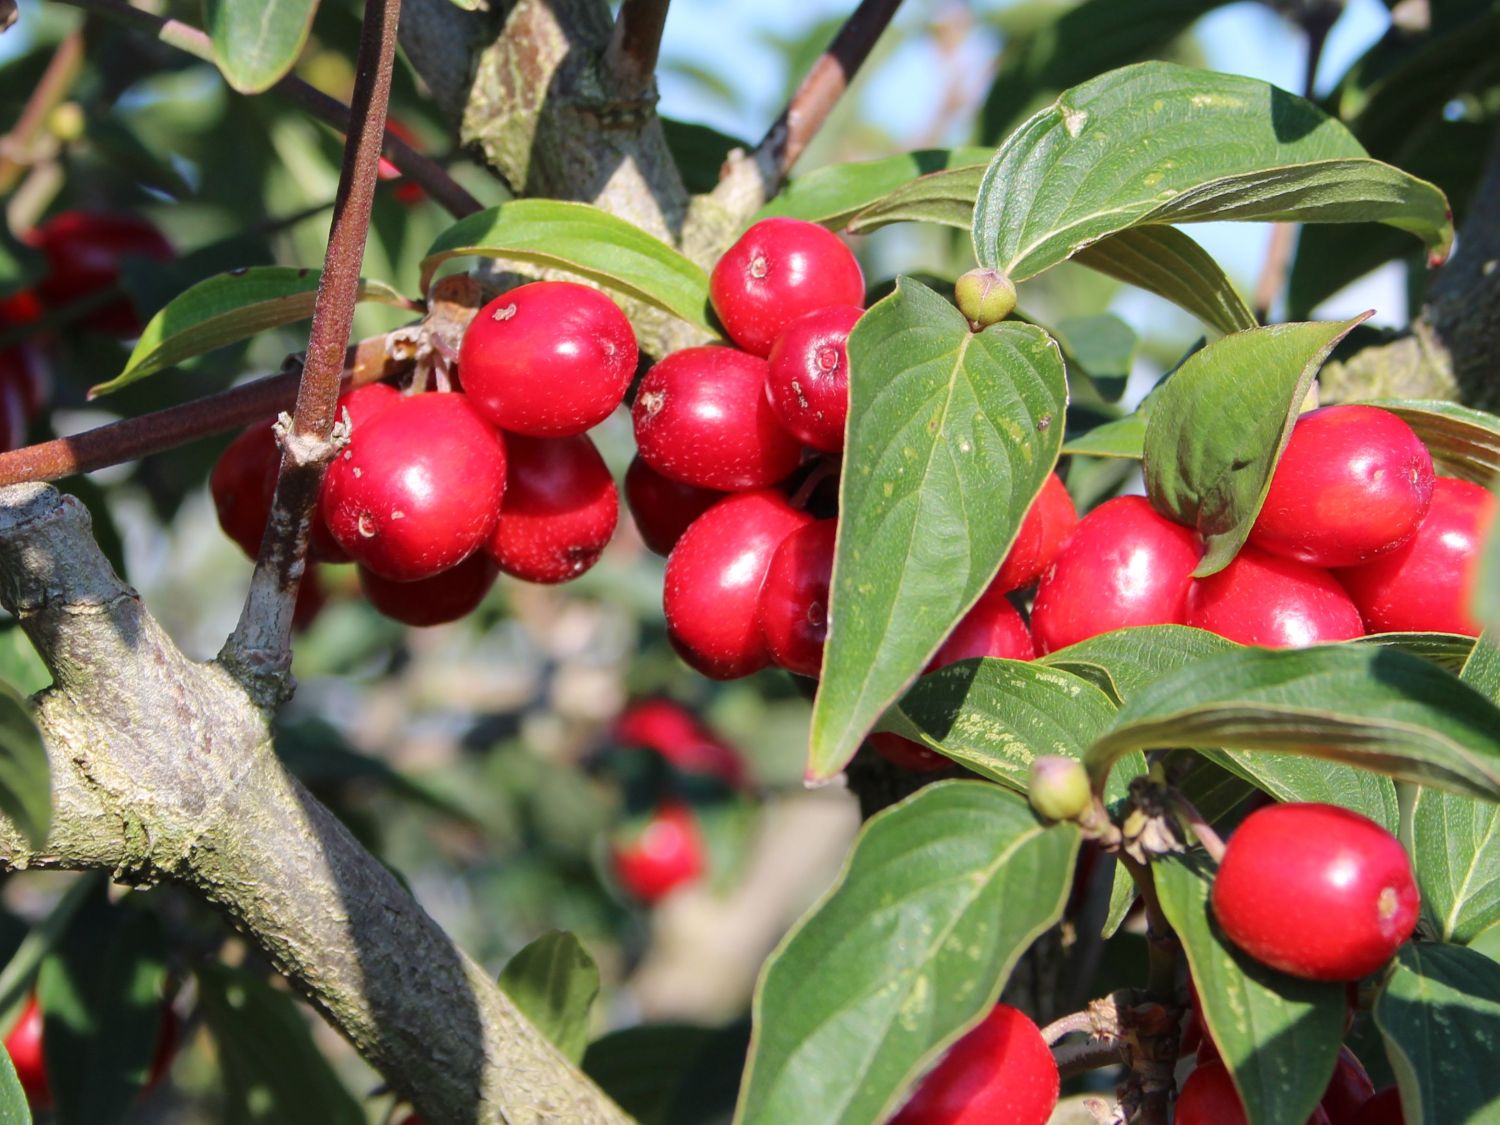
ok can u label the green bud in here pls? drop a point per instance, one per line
(1060, 788)
(985, 297)
(65, 122)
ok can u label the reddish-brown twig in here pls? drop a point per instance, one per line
(633, 48)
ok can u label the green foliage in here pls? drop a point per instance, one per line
(839, 194)
(1464, 442)
(14, 1109)
(671, 1074)
(554, 982)
(256, 42)
(25, 775)
(1164, 261)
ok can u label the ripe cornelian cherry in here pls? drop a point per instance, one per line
(1123, 565)
(808, 378)
(1048, 523)
(675, 733)
(1383, 1108)
(661, 856)
(418, 487)
(1425, 584)
(446, 596)
(1315, 890)
(711, 594)
(559, 511)
(794, 599)
(1208, 1097)
(24, 1043)
(25, 364)
(702, 417)
(663, 507)
(1262, 599)
(1001, 1071)
(778, 271)
(84, 251)
(549, 359)
(1352, 484)
(1348, 1089)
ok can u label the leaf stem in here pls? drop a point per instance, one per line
(1161, 941)
(1204, 832)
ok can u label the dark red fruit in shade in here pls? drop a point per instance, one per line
(779, 270)
(13, 414)
(714, 576)
(794, 599)
(25, 364)
(84, 251)
(663, 507)
(1001, 1071)
(559, 511)
(1048, 523)
(808, 379)
(662, 856)
(25, 1046)
(1384, 1108)
(907, 754)
(418, 487)
(1425, 585)
(446, 596)
(1315, 890)
(1208, 1097)
(1353, 483)
(675, 733)
(1260, 599)
(1123, 565)
(992, 628)
(702, 417)
(1348, 1089)
(549, 359)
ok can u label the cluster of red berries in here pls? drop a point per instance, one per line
(437, 492)
(24, 1045)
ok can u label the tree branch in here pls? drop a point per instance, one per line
(17, 145)
(633, 47)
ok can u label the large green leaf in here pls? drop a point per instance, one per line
(1292, 777)
(583, 240)
(1278, 1035)
(671, 1074)
(25, 774)
(1127, 661)
(833, 195)
(554, 982)
(256, 42)
(1464, 442)
(945, 198)
(19, 975)
(951, 435)
(14, 1108)
(1378, 708)
(1440, 1016)
(224, 310)
(1164, 261)
(1219, 424)
(942, 895)
(1159, 143)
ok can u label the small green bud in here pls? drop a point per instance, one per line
(1060, 788)
(985, 297)
(65, 122)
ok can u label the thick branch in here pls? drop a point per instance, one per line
(630, 58)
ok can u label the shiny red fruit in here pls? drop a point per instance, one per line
(559, 511)
(446, 596)
(25, 1046)
(1316, 890)
(1123, 565)
(907, 754)
(418, 487)
(664, 855)
(1208, 1097)
(1261, 599)
(1353, 483)
(663, 507)
(702, 417)
(794, 599)
(1426, 584)
(1348, 1089)
(992, 628)
(84, 251)
(549, 359)
(1384, 1108)
(1001, 1071)
(675, 733)
(1048, 523)
(714, 576)
(779, 270)
(808, 376)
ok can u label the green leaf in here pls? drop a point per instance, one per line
(699, 152)
(835, 194)
(224, 310)
(1127, 661)
(1123, 438)
(951, 435)
(582, 240)
(671, 1074)
(19, 975)
(1219, 424)
(1447, 650)
(1463, 441)
(1377, 708)
(256, 42)
(14, 1108)
(942, 895)
(554, 982)
(271, 1069)
(945, 198)
(1102, 345)
(25, 775)
(1278, 1035)
(1159, 143)
(1164, 261)
(1292, 777)
(1440, 1016)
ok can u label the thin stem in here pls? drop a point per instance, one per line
(17, 145)
(1068, 1025)
(1161, 941)
(1204, 832)
(1078, 1058)
(634, 45)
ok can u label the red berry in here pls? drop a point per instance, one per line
(25, 1046)
(794, 599)
(418, 487)
(808, 380)
(1383, 1108)
(1208, 1097)
(1260, 599)
(1001, 1071)
(549, 359)
(779, 270)
(714, 576)
(1348, 1089)
(702, 417)
(1123, 565)
(907, 754)
(446, 596)
(25, 364)
(559, 511)
(676, 734)
(663, 507)
(992, 628)
(1317, 891)
(1353, 483)
(84, 251)
(1048, 523)
(13, 413)
(664, 855)
(1425, 584)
